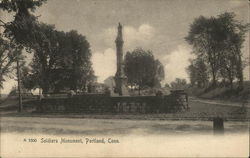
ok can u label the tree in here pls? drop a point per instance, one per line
(179, 84)
(198, 73)
(8, 55)
(80, 66)
(45, 55)
(192, 72)
(61, 60)
(22, 30)
(142, 69)
(204, 38)
(231, 57)
(217, 40)
(28, 81)
(19, 5)
(228, 69)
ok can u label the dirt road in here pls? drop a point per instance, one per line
(221, 102)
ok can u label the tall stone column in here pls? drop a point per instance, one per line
(120, 78)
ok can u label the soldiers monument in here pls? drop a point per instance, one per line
(120, 77)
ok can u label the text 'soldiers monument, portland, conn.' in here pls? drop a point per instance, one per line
(120, 77)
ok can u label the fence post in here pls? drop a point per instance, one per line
(218, 125)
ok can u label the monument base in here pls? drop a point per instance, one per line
(120, 86)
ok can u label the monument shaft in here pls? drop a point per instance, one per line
(119, 51)
(120, 77)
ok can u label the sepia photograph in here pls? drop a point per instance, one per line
(124, 78)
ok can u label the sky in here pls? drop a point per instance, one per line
(157, 25)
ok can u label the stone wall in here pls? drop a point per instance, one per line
(101, 103)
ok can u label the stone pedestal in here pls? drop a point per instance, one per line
(120, 85)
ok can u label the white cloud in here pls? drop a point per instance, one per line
(140, 37)
(146, 30)
(104, 64)
(176, 64)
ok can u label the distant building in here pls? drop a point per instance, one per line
(110, 84)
